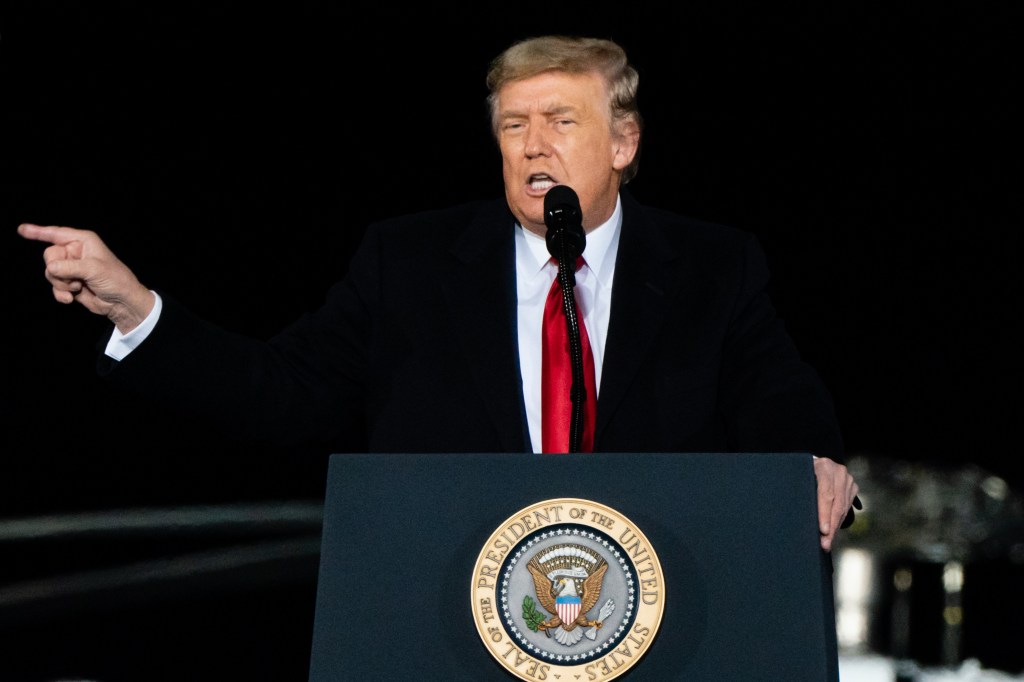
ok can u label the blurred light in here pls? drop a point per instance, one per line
(854, 572)
(902, 579)
(953, 615)
(995, 487)
(851, 628)
(953, 576)
(853, 575)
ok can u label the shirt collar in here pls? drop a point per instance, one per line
(599, 252)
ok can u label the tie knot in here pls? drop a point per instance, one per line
(579, 262)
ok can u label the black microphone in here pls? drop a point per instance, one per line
(564, 219)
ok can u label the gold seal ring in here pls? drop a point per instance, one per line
(567, 588)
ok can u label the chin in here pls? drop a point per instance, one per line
(529, 212)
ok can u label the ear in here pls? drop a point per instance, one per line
(625, 144)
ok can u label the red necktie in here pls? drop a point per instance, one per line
(556, 377)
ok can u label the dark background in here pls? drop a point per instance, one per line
(233, 154)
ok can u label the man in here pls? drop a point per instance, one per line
(431, 343)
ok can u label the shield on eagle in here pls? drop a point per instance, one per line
(568, 608)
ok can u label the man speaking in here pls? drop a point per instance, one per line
(454, 331)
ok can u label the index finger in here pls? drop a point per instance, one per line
(50, 233)
(826, 507)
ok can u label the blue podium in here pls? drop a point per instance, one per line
(499, 567)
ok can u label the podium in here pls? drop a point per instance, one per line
(417, 550)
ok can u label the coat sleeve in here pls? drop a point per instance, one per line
(774, 401)
(304, 385)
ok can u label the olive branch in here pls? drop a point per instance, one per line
(531, 615)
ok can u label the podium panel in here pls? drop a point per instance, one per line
(404, 586)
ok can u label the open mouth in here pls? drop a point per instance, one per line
(540, 182)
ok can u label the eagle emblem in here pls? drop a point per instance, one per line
(567, 580)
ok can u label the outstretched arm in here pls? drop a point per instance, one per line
(81, 268)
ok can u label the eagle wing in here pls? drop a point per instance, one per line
(592, 587)
(542, 587)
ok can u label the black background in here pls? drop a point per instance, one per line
(232, 154)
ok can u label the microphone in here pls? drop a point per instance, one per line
(564, 219)
(565, 241)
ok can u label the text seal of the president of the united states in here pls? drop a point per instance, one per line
(567, 589)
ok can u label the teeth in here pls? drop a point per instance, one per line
(541, 183)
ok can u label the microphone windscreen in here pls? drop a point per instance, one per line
(563, 218)
(561, 207)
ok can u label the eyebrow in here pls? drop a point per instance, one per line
(553, 111)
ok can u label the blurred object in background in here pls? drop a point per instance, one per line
(929, 576)
(874, 668)
(204, 592)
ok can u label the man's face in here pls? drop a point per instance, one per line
(555, 129)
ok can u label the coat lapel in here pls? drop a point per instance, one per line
(647, 277)
(480, 292)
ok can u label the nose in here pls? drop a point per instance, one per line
(537, 142)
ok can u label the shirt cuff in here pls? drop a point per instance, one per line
(120, 345)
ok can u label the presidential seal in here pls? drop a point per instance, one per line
(567, 589)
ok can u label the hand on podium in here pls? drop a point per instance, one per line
(837, 494)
